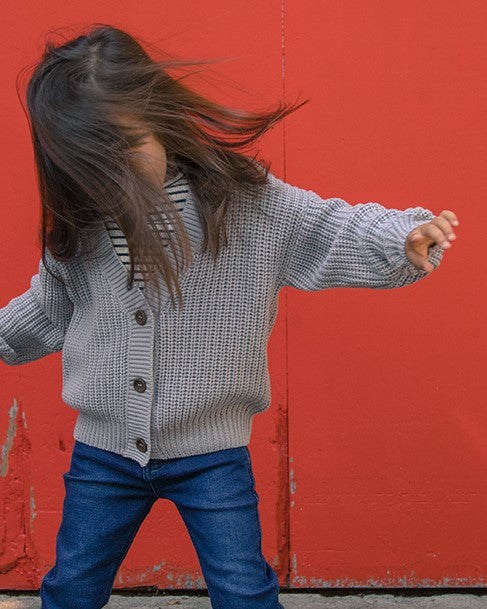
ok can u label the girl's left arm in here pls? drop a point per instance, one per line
(330, 243)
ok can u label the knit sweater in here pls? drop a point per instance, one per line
(174, 382)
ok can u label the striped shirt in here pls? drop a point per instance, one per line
(177, 189)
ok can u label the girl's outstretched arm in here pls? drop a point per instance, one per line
(330, 243)
(33, 324)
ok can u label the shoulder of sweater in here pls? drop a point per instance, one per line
(287, 201)
(279, 188)
(274, 206)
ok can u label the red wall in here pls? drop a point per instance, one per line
(370, 462)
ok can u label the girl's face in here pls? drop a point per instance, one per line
(149, 155)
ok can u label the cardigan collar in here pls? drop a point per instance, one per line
(117, 273)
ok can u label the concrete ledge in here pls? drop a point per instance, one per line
(290, 600)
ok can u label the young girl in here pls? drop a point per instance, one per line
(140, 177)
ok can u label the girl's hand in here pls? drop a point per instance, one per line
(438, 231)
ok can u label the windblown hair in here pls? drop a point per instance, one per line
(84, 160)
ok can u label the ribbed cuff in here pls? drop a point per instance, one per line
(396, 231)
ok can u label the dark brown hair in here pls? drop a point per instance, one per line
(83, 158)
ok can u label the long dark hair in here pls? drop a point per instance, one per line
(83, 158)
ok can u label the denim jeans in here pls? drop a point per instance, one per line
(107, 497)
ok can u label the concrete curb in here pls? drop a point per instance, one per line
(290, 600)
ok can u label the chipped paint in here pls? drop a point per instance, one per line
(11, 432)
(410, 581)
(181, 580)
(33, 513)
(294, 563)
(19, 554)
(188, 581)
(292, 484)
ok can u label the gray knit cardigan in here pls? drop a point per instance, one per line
(163, 383)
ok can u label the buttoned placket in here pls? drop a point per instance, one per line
(143, 326)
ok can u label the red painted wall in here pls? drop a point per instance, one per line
(387, 388)
(369, 463)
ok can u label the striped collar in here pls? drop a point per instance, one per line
(175, 178)
(116, 272)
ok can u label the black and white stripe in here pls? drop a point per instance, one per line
(177, 189)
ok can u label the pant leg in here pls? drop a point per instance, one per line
(104, 505)
(216, 498)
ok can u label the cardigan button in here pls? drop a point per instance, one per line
(140, 385)
(141, 445)
(141, 317)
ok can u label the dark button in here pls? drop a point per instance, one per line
(141, 444)
(140, 385)
(140, 317)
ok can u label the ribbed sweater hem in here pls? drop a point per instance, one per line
(206, 435)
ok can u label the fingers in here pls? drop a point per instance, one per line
(445, 221)
(420, 261)
(437, 232)
(440, 229)
(433, 233)
(450, 216)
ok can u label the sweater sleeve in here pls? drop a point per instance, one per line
(333, 244)
(33, 324)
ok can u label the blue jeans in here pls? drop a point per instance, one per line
(107, 498)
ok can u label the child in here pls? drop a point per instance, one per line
(166, 393)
